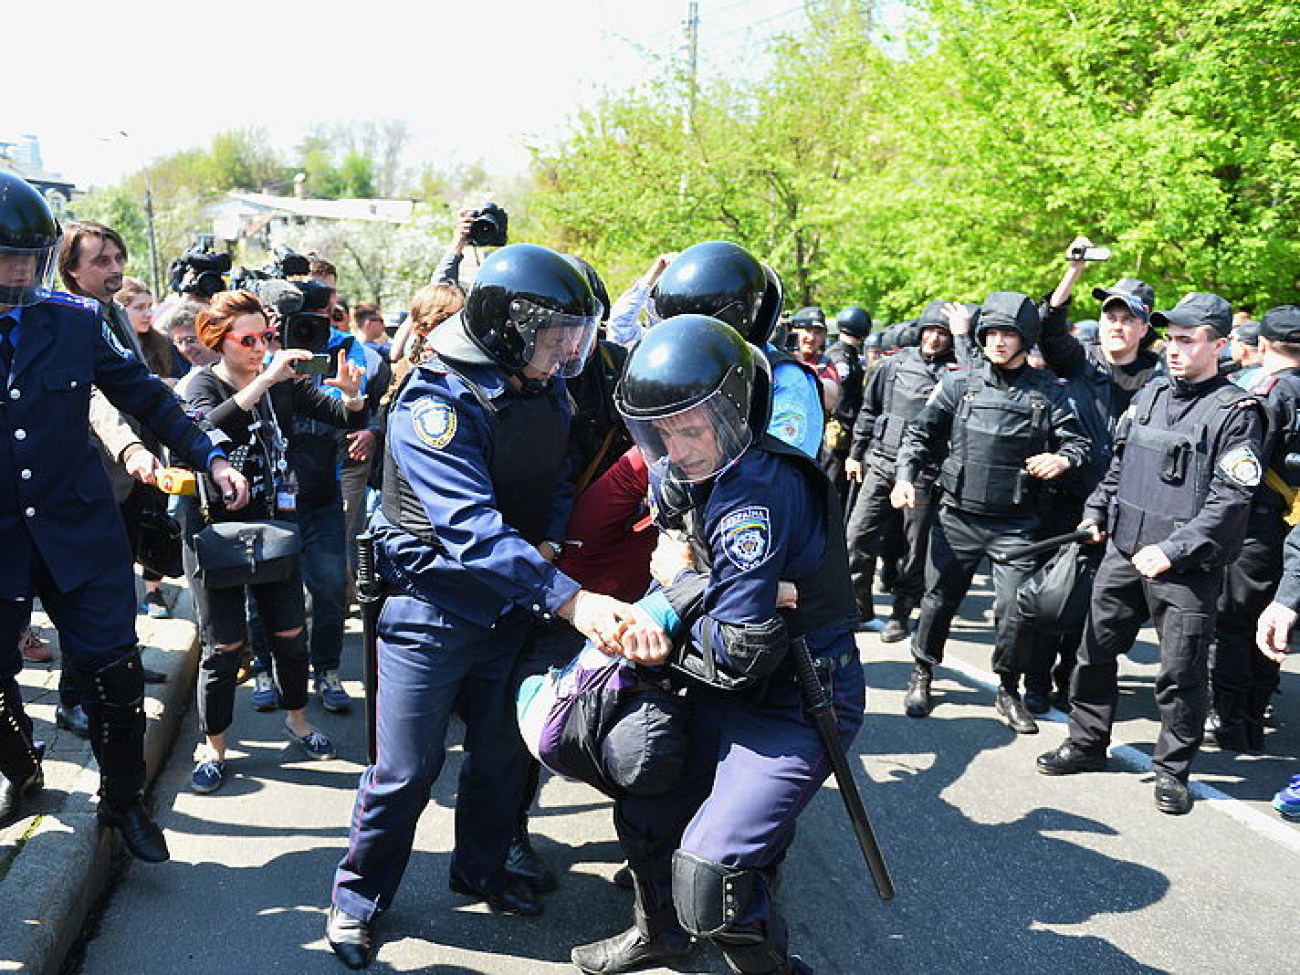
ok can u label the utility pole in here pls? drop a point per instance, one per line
(693, 54)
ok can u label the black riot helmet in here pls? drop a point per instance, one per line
(686, 396)
(854, 320)
(724, 281)
(529, 306)
(593, 279)
(29, 243)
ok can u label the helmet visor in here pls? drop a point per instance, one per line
(693, 444)
(555, 343)
(27, 274)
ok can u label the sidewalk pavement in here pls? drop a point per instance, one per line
(55, 862)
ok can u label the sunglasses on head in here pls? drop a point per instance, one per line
(338, 315)
(248, 341)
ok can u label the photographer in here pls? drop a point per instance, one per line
(488, 226)
(233, 395)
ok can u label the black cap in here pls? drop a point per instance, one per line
(810, 317)
(1247, 333)
(1281, 324)
(1195, 309)
(1129, 286)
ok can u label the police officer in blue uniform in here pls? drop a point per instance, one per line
(1175, 504)
(60, 529)
(724, 281)
(767, 566)
(474, 487)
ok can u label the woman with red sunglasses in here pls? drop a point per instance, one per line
(251, 394)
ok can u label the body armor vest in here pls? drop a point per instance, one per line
(851, 381)
(526, 458)
(912, 382)
(1166, 472)
(993, 433)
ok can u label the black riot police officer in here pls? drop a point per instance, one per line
(1242, 678)
(1175, 504)
(845, 357)
(897, 389)
(60, 529)
(1001, 429)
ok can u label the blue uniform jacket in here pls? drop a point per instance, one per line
(765, 522)
(54, 493)
(440, 438)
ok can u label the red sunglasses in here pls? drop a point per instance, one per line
(248, 341)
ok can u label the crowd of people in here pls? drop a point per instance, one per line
(608, 535)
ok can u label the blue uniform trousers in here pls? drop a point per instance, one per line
(430, 664)
(755, 767)
(96, 621)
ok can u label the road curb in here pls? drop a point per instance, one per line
(65, 862)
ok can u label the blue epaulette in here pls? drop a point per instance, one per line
(73, 301)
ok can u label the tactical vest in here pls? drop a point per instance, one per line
(1166, 473)
(526, 458)
(826, 593)
(851, 380)
(910, 386)
(993, 433)
(1280, 490)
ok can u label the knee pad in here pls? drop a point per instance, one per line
(709, 896)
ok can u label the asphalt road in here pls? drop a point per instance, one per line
(997, 867)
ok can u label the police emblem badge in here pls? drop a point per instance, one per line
(1242, 466)
(747, 536)
(435, 422)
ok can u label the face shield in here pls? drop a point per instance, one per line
(693, 444)
(27, 273)
(554, 343)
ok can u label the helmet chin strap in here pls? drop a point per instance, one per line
(527, 386)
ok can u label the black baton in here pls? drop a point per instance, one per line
(817, 702)
(1046, 545)
(370, 598)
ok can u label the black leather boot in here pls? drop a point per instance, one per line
(653, 940)
(527, 864)
(917, 700)
(117, 736)
(350, 938)
(20, 759)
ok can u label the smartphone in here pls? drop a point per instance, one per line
(1090, 254)
(317, 365)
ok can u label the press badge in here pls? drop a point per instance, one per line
(286, 496)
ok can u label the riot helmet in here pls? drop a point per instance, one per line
(686, 396)
(854, 320)
(724, 281)
(29, 243)
(530, 307)
(1013, 312)
(593, 279)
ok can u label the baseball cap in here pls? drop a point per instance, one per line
(1198, 308)
(1129, 286)
(1247, 333)
(1130, 301)
(1281, 324)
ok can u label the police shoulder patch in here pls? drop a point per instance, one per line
(1241, 465)
(790, 427)
(747, 536)
(842, 369)
(434, 422)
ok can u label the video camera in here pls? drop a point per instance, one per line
(287, 263)
(199, 271)
(490, 226)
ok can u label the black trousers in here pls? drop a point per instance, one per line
(1182, 605)
(958, 543)
(868, 526)
(1243, 679)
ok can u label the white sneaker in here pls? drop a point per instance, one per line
(266, 696)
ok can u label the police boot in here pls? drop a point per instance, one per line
(1230, 730)
(527, 864)
(656, 936)
(916, 702)
(20, 759)
(117, 727)
(895, 630)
